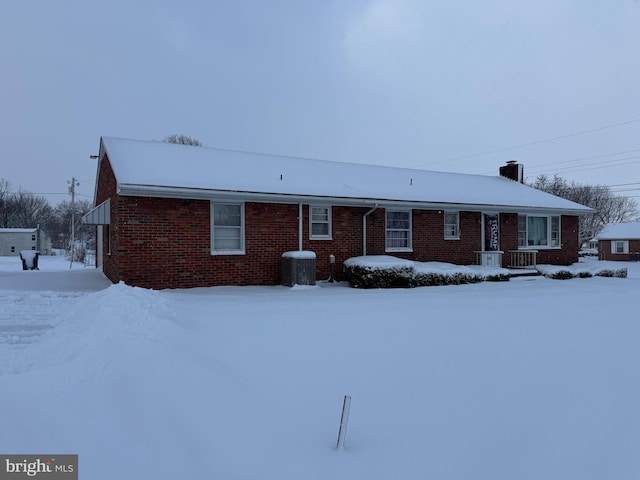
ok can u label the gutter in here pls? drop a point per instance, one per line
(137, 190)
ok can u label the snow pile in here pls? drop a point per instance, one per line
(384, 271)
(583, 270)
(103, 331)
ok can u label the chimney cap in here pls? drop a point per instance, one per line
(512, 162)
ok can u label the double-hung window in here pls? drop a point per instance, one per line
(619, 246)
(451, 225)
(398, 231)
(319, 223)
(227, 228)
(540, 231)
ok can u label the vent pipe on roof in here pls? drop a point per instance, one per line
(513, 171)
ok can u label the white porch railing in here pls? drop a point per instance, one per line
(522, 258)
(489, 258)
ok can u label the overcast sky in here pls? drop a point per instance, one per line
(447, 85)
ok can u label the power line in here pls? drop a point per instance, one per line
(584, 132)
(538, 165)
(576, 168)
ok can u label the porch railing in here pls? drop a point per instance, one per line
(522, 258)
(489, 258)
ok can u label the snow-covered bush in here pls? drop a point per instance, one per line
(497, 277)
(361, 276)
(582, 270)
(383, 271)
(612, 272)
(561, 275)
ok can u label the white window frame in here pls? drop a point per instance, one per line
(550, 238)
(456, 226)
(409, 247)
(239, 251)
(614, 247)
(328, 235)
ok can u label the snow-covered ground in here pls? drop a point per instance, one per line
(528, 379)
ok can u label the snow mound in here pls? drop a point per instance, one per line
(105, 330)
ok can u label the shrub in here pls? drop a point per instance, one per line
(500, 277)
(561, 275)
(389, 277)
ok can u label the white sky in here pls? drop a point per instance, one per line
(402, 83)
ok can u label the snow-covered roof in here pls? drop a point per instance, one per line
(18, 230)
(620, 231)
(151, 168)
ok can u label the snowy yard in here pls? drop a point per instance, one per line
(528, 379)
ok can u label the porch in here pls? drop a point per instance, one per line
(520, 262)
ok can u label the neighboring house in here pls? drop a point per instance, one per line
(12, 240)
(174, 216)
(619, 241)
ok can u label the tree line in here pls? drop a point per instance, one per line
(22, 209)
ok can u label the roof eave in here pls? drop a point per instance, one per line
(137, 190)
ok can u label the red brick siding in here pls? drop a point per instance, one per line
(566, 255)
(106, 189)
(508, 235)
(346, 239)
(428, 237)
(604, 250)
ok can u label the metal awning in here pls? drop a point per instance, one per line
(100, 215)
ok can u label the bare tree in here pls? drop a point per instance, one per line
(60, 230)
(181, 139)
(609, 208)
(29, 210)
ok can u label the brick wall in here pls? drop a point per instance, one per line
(429, 244)
(604, 250)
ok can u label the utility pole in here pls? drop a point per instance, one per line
(72, 190)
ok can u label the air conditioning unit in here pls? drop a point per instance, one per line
(298, 268)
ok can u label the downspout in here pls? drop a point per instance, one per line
(300, 226)
(364, 228)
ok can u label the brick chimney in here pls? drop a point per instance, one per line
(513, 171)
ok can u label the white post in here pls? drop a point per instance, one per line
(72, 191)
(300, 226)
(344, 420)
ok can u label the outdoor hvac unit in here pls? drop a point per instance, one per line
(298, 268)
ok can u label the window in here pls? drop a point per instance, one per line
(227, 228)
(451, 225)
(398, 231)
(542, 231)
(619, 246)
(13, 249)
(320, 223)
(33, 238)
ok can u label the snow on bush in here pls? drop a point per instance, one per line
(582, 270)
(384, 271)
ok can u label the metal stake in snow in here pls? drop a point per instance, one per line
(344, 420)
